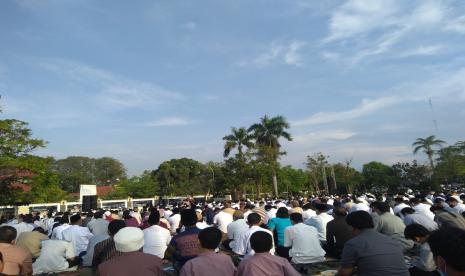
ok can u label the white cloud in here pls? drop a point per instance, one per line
(423, 51)
(449, 87)
(113, 92)
(322, 136)
(376, 27)
(287, 53)
(169, 122)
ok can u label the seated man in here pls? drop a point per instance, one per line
(389, 224)
(320, 221)
(129, 241)
(76, 234)
(425, 264)
(262, 262)
(242, 245)
(185, 245)
(303, 242)
(16, 261)
(235, 229)
(370, 252)
(31, 241)
(56, 256)
(208, 261)
(156, 238)
(448, 247)
(106, 250)
(338, 232)
(410, 216)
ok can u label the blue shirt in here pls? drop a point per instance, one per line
(279, 224)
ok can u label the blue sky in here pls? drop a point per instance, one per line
(148, 81)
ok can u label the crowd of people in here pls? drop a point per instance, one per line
(368, 235)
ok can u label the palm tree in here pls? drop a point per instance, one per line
(267, 134)
(239, 137)
(427, 145)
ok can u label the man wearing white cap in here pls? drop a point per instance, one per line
(456, 204)
(133, 261)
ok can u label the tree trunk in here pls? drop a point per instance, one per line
(275, 184)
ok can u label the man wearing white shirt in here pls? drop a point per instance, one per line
(24, 225)
(319, 221)
(308, 211)
(421, 207)
(156, 238)
(57, 233)
(410, 216)
(456, 204)
(235, 229)
(174, 220)
(303, 242)
(55, 256)
(270, 212)
(76, 234)
(222, 220)
(242, 245)
(98, 225)
(400, 204)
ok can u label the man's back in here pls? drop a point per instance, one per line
(31, 242)
(304, 243)
(79, 236)
(267, 265)
(319, 222)
(209, 263)
(53, 256)
(374, 254)
(156, 240)
(16, 261)
(393, 227)
(98, 226)
(132, 263)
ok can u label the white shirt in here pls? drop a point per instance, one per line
(242, 245)
(319, 222)
(53, 256)
(459, 208)
(304, 243)
(399, 208)
(359, 207)
(174, 221)
(156, 240)
(424, 209)
(306, 214)
(58, 231)
(235, 229)
(23, 227)
(270, 214)
(79, 236)
(222, 220)
(421, 219)
(98, 226)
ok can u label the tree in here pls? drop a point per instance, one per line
(451, 163)
(315, 165)
(413, 176)
(238, 138)
(292, 180)
(267, 134)
(143, 186)
(379, 177)
(16, 162)
(347, 178)
(427, 144)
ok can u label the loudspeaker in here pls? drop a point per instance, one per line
(89, 203)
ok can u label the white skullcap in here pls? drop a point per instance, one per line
(129, 239)
(209, 205)
(107, 213)
(457, 198)
(330, 201)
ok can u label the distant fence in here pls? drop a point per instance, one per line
(104, 204)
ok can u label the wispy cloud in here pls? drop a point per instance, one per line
(284, 53)
(375, 28)
(423, 51)
(322, 136)
(448, 87)
(113, 92)
(170, 122)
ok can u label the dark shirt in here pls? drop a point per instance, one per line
(104, 251)
(132, 263)
(338, 232)
(187, 245)
(209, 215)
(374, 254)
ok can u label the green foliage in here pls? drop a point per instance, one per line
(347, 178)
(413, 176)
(292, 180)
(315, 165)
(427, 144)
(76, 170)
(451, 163)
(379, 177)
(143, 186)
(238, 138)
(45, 188)
(16, 140)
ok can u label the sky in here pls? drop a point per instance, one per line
(148, 81)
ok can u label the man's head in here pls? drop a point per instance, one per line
(75, 219)
(416, 232)
(188, 217)
(407, 211)
(448, 247)
(114, 226)
(210, 238)
(296, 218)
(380, 207)
(28, 219)
(295, 204)
(261, 242)
(321, 208)
(238, 215)
(154, 218)
(7, 234)
(454, 201)
(129, 239)
(359, 221)
(339, 212)
(282, 212)
(253, 219)
(98, 214)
